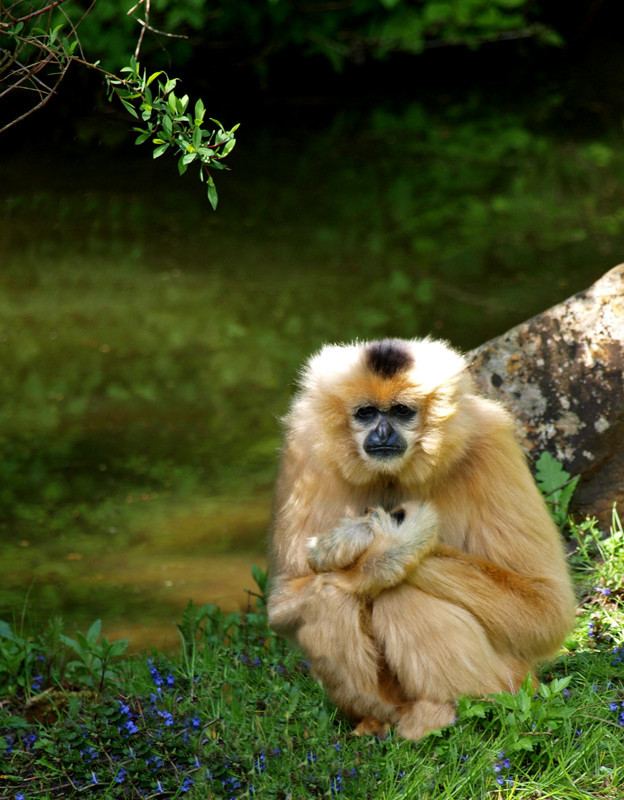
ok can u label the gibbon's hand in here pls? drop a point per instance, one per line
(379, 549)
(341, 546)
(402, 538)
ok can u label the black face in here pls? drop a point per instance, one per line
(384, 440)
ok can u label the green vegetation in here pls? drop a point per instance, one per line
(236, 714)
(149, 346)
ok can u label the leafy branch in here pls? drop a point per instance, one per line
(167, 122)
(37, 48)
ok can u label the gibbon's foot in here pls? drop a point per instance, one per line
(424, 716)
(369, 726)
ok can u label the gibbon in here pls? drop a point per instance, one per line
(412, 558)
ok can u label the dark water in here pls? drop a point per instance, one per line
(149, 346)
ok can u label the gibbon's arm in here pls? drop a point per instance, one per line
(524, 614)
(501, 556)
(376, 552)
(308, 505)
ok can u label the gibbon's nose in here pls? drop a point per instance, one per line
(383, 431)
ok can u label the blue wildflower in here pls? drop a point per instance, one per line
(121, 775)
(167, 716)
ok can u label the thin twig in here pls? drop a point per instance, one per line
(39, 105)
(34, 14)
(137, 49)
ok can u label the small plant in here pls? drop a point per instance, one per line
(556, 485)
(95, 654)
(529, 718)
(262, 582)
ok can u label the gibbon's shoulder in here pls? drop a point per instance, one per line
(428, 363)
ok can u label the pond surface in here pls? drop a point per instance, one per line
(149, 346)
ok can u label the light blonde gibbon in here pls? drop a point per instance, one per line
(412, 558)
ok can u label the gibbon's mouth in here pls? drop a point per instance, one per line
(385, 453)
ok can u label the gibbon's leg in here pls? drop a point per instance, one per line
(438, 652)
(333, 629)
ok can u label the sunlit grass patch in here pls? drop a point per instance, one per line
(235, 713)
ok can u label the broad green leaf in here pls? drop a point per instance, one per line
(158, 151)
(213, 197)
(167, 126)
(200, 112)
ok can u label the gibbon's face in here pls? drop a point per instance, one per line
(381, 433)
(385, 421)
(381, 408)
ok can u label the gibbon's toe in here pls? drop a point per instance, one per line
(369, 726)
(425, 716)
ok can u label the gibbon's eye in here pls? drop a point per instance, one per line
(403, 412)
(366, 413)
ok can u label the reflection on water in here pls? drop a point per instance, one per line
(195, 551)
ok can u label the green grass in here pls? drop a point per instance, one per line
(234, 713)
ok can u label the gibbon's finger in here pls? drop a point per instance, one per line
(398, 515)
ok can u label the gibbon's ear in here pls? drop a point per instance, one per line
(442, 376)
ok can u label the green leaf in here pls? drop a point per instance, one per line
(167, 126)
(153, 77)
(93, 634)
(213, 197)
(129, 108)
(550, 474)
(197, 138)
(75, 646)
(158, 151)
(200, 112)
(6, 631)
(143, 137)
(119, 647)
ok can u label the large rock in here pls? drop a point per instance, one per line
(561, 374)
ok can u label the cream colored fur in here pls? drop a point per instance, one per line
(399, 616)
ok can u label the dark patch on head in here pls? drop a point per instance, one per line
(388, 357)
(496, 380)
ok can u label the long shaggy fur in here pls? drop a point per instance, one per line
(411, 581)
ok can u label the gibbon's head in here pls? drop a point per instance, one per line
(383, 409)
